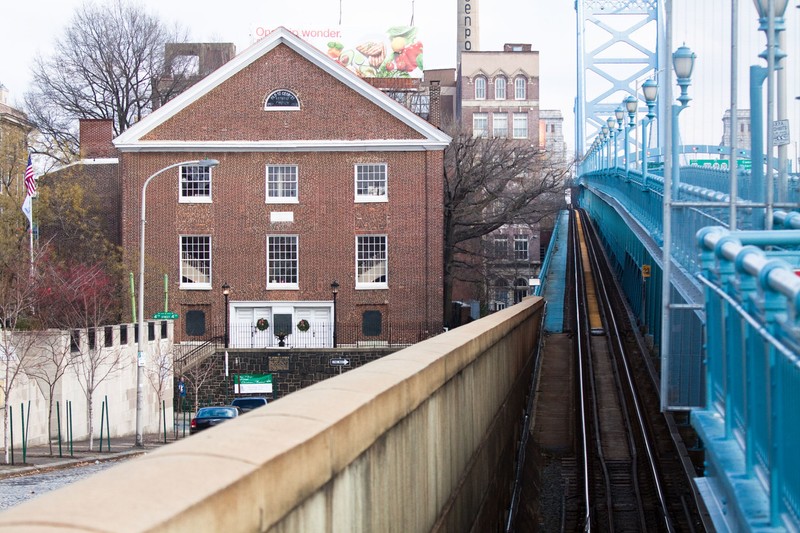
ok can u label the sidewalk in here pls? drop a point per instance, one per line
(39, 459)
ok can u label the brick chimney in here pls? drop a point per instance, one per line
(95, 138)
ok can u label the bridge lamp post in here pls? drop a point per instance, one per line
(206, 163)
(619, 114)
(771, 22)
(631, 106)
(612, 128)
(683, 64)
(606, 133)
(650, 90)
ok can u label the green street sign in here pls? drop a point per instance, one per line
(164, 315)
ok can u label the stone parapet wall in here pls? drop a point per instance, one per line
(419, 440)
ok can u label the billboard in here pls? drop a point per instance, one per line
(394, 52)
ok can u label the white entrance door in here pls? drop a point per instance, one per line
(245, 332)
(320, 331)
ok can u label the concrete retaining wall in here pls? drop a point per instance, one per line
(420, 440)
(114, 366)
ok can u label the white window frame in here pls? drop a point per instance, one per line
(480, 132)
(203, 264)
(281, 184)
(516, 131)
(273, 284)
(500, 87)
(363, 191)
(480, 88)
(361, 285)
(500, 131)
(196, 170)
(521, 248)
(520, 88)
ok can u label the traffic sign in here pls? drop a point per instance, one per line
(164, 315)
(645, 271)
(780, 132)
(340, 362)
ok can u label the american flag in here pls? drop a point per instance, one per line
(30, 182)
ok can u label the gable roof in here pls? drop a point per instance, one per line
(132, 138)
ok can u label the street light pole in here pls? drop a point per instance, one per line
(226, 290)
(335, 291)
(142, 325)
(631, 106)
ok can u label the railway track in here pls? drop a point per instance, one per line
(631, 473)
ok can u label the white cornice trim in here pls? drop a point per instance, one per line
(135, 133)
(382, 145)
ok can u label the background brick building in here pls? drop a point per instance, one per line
(322, 178)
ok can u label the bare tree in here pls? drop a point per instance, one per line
(18, 293)
(80, 298)
(52, 363)
(199, 374)
(159, 372)
(489, 183)
(104, 67)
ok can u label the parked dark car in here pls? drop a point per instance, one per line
(211, 416)
(250, 403)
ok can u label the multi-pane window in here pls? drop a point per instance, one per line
(520, 125)
(282, 262)
(281, 183)
(371, 262)
(500, 247)
(195, 183)
(371, 182)
(519, 88)
(500, 125)
(500, 88)
(195, 261)
(480, 88)
(480, 125)
(521, 247)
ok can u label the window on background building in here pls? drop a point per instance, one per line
(501, 247)
(371, 262)
(500, 88)
(500, 125)
(281, 184)
(282, 100)
(520, 86)
(480, 88)
(520, 125)
(521, 247)
(371, 182)
(195, 184)
(480, 125)
(195, 262)
(282, 262)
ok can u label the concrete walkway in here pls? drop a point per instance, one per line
(39, 458)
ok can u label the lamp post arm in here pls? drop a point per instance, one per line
(140, 304)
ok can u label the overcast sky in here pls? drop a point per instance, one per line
(548, 25)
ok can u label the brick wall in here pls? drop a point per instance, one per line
(326, 219)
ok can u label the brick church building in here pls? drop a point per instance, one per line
(322, 178)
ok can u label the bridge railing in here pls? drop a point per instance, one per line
(753, 374)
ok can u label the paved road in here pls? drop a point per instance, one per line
(15, 490)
